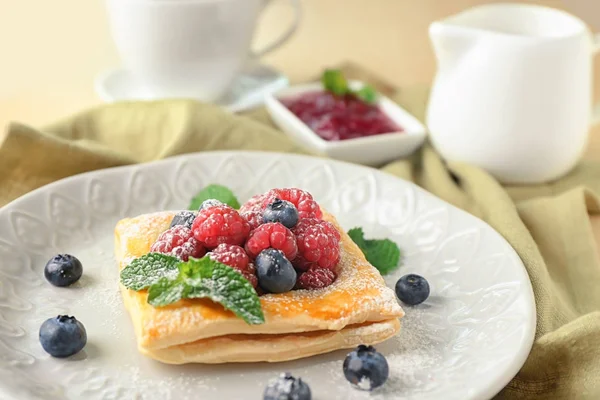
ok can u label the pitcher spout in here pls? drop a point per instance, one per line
(450, 41)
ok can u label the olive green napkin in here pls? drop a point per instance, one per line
(548, 224)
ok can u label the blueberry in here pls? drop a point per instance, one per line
(366, 368)
(286, 387)
(185, 218)
(275, 272)
(281, 211)
(210, 203)
(63, 270)
(412, 289)
(62, 336)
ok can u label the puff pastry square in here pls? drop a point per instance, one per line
(358, 308)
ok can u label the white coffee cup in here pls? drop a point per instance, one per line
(188, 48)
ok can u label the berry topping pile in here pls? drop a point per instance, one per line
(277, 240)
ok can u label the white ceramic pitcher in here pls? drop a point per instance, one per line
(513, 90)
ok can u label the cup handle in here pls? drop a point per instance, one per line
(596, 108)
(285, 36)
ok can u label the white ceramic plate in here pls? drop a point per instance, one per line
(465, 342)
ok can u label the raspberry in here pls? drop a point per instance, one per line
(315, 278)
(178, 241)
(235, 257)
(272, 235)
(231, 255)
(250, 274)
(304, 202)
(252, 211)
(220, 224)
(253, 204)
(254, 218)
(318, 244)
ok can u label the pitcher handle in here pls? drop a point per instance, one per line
(285, 36)
(596, 108)
(596, 43)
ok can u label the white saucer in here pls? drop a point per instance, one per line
(247, 91)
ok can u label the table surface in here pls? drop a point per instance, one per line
(51, 51)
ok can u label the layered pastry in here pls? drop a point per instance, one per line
(315, 289)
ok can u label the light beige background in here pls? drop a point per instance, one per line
(50, 50)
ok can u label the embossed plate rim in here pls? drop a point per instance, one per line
(484, 387)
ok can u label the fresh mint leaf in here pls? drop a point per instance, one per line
(166, 291)
(334, 81)
(218, 192)
(383, 254)
(149, 269)
(205, 278)
(235, 293)
(357, 235)
(367, 94)
(194, 271)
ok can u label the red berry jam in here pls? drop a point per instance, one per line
(340, 117)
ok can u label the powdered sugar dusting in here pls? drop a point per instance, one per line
(364, 383)
(414, 360)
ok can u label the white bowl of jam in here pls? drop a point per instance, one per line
(345, 127)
